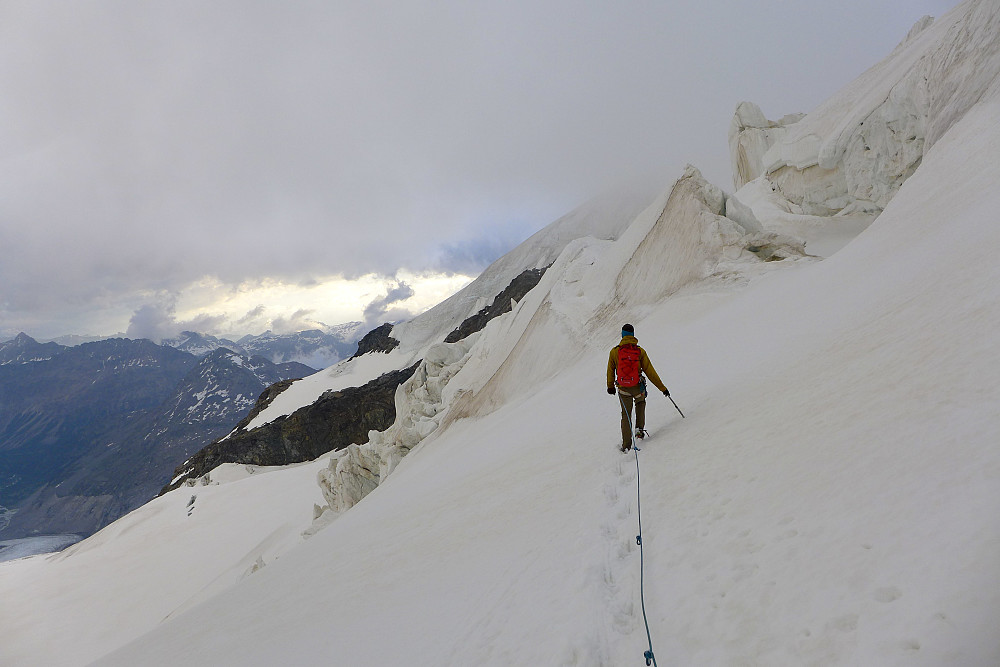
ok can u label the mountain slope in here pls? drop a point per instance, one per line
(830, 499)
(606, 217)
(58, 411)
(793, 518)
(24, 349)
(314, 348)
(95, 431)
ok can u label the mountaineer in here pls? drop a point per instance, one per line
(626, 365)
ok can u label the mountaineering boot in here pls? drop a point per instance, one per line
(627, 447)
(641, 433)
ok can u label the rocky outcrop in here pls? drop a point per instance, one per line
(377, 340)
(265, 399)
(420, 403)
(502, 303)
(334, 421)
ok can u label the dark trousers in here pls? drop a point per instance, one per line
(628, 395)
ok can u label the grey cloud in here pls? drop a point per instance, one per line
(300, 320)
(157, 321)
(153, 321)
(471, 256)
(380, 310)
(259, 319)
(253, 315)
(147, 145)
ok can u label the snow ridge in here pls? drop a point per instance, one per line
(831, 498)
(858, 147)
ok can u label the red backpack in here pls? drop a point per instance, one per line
(628, 371)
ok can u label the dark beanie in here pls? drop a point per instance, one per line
(628, 328)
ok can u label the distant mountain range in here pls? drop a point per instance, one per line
(90, 432)
(316, 348)
(25, 349)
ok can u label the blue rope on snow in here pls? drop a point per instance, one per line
(648, 655)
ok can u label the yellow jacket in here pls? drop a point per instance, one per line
(644, 364)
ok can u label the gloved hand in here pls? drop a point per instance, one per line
(611, 390)
(666, 392)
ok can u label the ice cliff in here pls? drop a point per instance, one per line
(419, 403)
(855, 151)
(683, 237)
(839, 165)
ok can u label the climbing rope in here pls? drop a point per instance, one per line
(648, 655)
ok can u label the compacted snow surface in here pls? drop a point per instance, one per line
(831, 498)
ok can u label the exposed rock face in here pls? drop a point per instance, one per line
(333, 422)
(503, 303)
(265, 399)
(224, 385)
(419, 405)
(377, 340)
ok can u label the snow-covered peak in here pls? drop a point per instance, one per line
(200, 344)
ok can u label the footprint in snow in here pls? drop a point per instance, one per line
(611, 493)
(889, 594)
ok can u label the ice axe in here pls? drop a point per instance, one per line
(666, 392)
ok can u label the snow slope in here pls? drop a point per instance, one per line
(832, 497)
(71, 607)
(606, 216)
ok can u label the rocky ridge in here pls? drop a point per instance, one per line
(503, 303)
(333, 422)
(24, 349)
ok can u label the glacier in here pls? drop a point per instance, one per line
(831, 497)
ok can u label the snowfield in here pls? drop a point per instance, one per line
(832, 497)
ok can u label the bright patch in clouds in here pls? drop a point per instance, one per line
(212, 306)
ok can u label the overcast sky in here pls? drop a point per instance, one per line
(239, 165)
